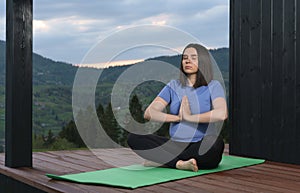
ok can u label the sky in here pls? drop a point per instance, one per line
(68, 30)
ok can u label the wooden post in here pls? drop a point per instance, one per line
(18, 111)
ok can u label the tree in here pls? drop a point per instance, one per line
(100, 113)
(49, 139)
(110, 124)
(135, 109)
(70, 133)
(137, 114)
(38, 142)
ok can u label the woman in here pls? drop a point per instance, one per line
(195, 100)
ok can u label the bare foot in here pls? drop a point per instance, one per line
(148, 163)
(190, 164)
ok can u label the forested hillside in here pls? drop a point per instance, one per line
(52, 89)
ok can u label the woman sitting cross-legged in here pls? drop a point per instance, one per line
(195, 100)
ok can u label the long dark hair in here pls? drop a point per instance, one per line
(205, 73)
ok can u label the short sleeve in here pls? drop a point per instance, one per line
(165, 93)
(216, 90)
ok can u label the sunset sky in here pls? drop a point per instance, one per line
(66, 30)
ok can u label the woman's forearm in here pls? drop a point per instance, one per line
(155, 112)
(155, 115)
(219, 113)
(210, 116)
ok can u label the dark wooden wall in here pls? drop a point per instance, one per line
(265, 79)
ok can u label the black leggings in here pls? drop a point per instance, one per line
(208, 160)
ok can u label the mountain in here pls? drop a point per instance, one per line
(45, 70)
(53, 81)
(49, 72)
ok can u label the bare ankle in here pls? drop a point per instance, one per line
(178, 164)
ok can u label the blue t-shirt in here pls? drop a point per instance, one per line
(200, 102)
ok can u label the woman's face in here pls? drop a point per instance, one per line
(190, 61)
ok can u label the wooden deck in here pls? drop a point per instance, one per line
(267, 177)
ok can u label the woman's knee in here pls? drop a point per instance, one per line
(213, 142)
(219, 144)
(136, 141)
(210, 165)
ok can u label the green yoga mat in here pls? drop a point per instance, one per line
(135, 176)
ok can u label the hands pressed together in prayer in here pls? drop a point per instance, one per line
(154, 112)
(185, 110)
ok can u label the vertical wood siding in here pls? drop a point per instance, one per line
(265, 79)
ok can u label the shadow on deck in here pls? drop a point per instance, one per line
(267, 177)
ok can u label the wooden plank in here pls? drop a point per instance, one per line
(258, 181)
(188, 186)
(2, 159)
(253, 83)
(236, 118)
(268, 173)
(224, 184)
(209, 185)
(242, 80)
(288, 174)
(49, 167)
(286, 166)
(297, 62)
(18, 100)
(94, 163)
(235, 66)
(282, 166)
(288, 86)
(277, 125)
(242, 185)
(123, 157)
(192, 186)
(267, 177)
(74, 168)
(266, 84)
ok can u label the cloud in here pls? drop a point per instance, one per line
(40, 26)
(66, 30)
(212, 13)
(111, 63)
(2, 19)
